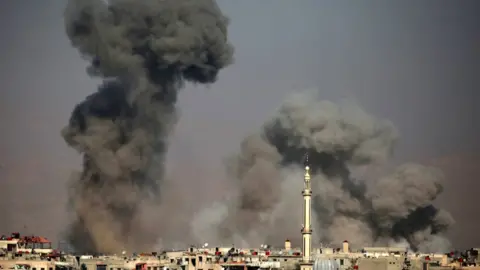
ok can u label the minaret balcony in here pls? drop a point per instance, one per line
(306, 192)
(306, 231)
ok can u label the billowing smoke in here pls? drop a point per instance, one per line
(344, 144)
(144, 51)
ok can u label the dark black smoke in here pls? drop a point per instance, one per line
(144, 51)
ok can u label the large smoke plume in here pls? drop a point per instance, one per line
(144, 51)
(343, 144)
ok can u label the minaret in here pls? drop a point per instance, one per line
(307, 263)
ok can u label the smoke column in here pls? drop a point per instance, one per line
(144, 51)
(342, 142)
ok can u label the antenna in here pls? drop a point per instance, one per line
(306, 162)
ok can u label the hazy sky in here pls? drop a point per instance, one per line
(414, 62)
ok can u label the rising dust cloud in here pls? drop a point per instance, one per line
(340, 139)
(145, 51)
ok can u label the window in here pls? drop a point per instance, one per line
(42, 268)
(149, 268)
(34, 268)
(341, 261)
(45, 246)
(200, 259)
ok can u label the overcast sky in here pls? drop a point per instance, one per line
(416, 63)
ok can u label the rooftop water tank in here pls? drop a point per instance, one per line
(325, 264)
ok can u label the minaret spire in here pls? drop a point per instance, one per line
(306, 263)
(306, 177)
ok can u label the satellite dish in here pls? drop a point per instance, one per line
(205, 245)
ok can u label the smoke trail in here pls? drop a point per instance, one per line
(340, 140)
(144, 51)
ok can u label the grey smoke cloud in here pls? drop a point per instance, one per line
(398, 194)
(144, 51)
(391, 58)
(339, 139)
